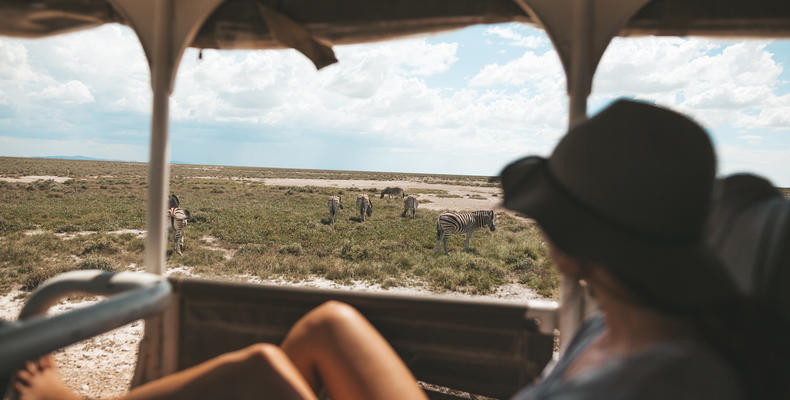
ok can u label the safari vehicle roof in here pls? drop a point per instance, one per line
(579, 29)
(236, 24)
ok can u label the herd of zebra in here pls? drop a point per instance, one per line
(448, 223)
(365, 207)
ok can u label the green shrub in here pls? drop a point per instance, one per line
(98, 262)
(292, 249)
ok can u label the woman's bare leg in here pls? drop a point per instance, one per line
(258, 371)
(335, 345)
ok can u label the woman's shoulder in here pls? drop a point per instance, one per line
(680, 370)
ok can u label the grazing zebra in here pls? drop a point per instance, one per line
(364, 206)
(409, 205)
(335, 204)
(392, 191)
(178, 218)
(450, 223)
(173, 202)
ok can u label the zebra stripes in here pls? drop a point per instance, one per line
(178, 221)
(335, 204)
(409, 205)
(364, 206)
(450, 223)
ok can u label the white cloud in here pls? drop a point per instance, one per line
(71, 92)
(717, 82)
(530, 67)
(14, 67)
(514, 38)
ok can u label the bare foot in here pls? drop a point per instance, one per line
(41, 381)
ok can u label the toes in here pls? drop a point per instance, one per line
(24, 376)
(19, 387)
(31, 367)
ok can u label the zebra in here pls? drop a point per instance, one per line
(409, 205)
(335, 204)
(364, 206)
(173, 202)
(178, 220)
(392, 191)
(456, 223)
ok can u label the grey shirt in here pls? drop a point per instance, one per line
(670, 370)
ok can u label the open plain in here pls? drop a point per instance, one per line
(259, 225)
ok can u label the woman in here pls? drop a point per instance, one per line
(622, 201)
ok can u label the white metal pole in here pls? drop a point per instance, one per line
(158, 169)
(572, 299)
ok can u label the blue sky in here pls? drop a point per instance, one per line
(465, 102)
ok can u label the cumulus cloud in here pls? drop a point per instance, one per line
(512, 33)
(71, 92)
(530, 67)
(719, 83)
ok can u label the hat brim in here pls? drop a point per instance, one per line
(673, 275)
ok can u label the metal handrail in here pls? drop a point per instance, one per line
(135, 295)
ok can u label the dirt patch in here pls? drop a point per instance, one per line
(465, 198)
(33, 178)
(139, 233)
(209, 242)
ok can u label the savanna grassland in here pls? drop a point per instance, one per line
(241, 228)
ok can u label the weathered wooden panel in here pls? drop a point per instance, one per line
(485, 348)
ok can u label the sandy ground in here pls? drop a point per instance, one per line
(33, 178)
(492, 195)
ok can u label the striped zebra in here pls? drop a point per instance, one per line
(364, 206)
(409, 205)
(335, 205)
(178, 221)
(392, 191)
(450, 223)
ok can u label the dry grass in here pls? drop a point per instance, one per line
(269, 232)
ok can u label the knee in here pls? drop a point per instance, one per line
(332, 314)
(334, 311)
(261, 356)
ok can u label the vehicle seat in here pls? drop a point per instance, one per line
(750, 230)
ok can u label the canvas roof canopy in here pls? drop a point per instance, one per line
(238, 24)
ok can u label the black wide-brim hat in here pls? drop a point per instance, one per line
(630, 189)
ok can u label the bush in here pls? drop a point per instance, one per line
(353, 252)
(294, 249)
(97, 262)
(99, 246)
(39, 275)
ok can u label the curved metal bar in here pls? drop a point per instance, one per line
(136, 295)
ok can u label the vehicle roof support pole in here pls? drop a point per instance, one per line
(165, 29)
(580, 31)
